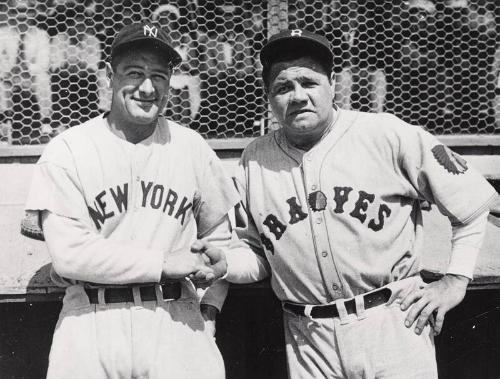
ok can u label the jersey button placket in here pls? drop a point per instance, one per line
(136, 184)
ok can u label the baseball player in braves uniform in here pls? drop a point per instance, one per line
(123, 200)
(333, 201)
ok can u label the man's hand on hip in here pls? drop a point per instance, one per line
(435, 299)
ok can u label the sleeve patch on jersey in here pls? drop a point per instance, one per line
(317, 201)
(453, 163)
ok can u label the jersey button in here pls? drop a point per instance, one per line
(137, 178)
(324, 254)
(313, 187)
(335, 287)
(319, 221)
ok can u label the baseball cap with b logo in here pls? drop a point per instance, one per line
(145, 32)
(298, 40)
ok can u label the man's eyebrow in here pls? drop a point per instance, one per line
(132, 66)
(156, 70)
(307, 77)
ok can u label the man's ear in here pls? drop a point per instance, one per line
(332, 81)
(109, 74)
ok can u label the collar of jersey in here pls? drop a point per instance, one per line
(161, 134)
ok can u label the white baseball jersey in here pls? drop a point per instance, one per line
(344, 218)
(148, 199)
(130, 204)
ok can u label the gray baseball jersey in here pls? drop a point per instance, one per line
(344, 218)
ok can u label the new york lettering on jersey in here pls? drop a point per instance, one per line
(114, 200)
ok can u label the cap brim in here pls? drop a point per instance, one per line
(274, 48)
(171, 54)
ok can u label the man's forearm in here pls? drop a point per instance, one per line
(244, 265)
(78, 253)
(219, 237)
(466, 242)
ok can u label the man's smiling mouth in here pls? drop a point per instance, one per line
(149, 101)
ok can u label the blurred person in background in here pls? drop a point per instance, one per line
(185, 84)
(77, 76)
(25, 72)
(468, 57)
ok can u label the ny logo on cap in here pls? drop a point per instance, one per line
(150, 31)
(296, 33)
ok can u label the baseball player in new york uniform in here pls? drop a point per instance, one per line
(122, 200)
(333, 199)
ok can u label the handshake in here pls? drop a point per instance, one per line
(203, 266)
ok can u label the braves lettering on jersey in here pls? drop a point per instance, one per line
(344, 218)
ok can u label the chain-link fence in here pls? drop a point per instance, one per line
(433, 63)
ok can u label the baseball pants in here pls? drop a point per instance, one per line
(140, 340)
(372, 343)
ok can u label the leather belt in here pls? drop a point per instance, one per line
(371, 300)
(171, 291)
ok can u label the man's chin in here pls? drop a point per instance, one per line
(302, 127)
(143, 117)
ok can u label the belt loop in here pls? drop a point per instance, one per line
(100, 296)
(159, 293)
(136, 293)
(342, 312)
(360, 306)
(307, 310)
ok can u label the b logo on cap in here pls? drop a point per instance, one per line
(150, 31)
(296, 33)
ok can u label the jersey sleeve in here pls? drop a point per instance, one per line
(215, 196)
(55, 186)
(78, 253)
(466, 241)
(443, 177)
(246, 259)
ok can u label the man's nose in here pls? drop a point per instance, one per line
(299, 94)
(146, 87)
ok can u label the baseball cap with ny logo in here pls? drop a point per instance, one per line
(145, 32)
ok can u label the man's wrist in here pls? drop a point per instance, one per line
(458, 279)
